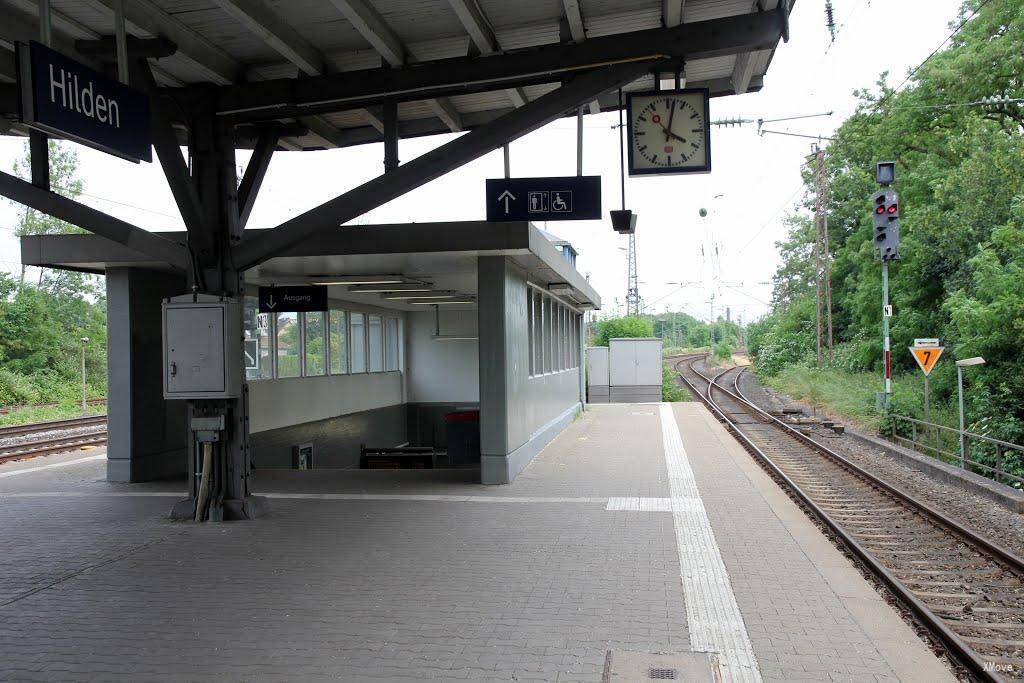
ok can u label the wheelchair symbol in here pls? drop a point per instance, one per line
(561, 202)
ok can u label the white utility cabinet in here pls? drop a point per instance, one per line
(634, 370)
(597, 374)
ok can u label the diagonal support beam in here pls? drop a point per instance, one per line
(368, 196)
(255, 171)
(372, 27)
(476, 25)
(261, 21)
(94, 221)
(165, 142)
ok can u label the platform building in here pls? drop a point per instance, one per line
(382, 366)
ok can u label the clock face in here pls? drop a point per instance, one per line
(669, 132)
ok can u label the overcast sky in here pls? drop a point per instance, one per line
(758, 177)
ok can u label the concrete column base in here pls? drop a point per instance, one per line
(250, 507)
(503, 469)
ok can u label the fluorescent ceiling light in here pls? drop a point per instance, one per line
(420, 295)
(434, 302)
(363, 280)
(385, 288)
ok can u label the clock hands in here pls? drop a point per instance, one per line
(669, 133)
(668, 128)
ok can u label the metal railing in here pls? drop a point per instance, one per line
(943, 443)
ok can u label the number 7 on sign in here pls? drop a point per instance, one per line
(927, 356)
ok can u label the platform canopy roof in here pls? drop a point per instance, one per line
(442, 254)
(322, 68)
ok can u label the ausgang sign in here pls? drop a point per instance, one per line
(61, 97)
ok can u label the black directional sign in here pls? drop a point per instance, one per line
(572, 198)
(303, 298)
(68, 99)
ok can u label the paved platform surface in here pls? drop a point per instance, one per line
(641, 529)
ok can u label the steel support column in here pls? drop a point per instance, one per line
(368, 196)
(252, 179)
(215, 181)
(390, 135)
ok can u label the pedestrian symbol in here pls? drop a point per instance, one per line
(538, 202)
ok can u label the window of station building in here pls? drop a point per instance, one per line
(575, 340)
(337, 337)
(391, 344)
(357, 341)
(548, 335)
(258, 358)
(563, 337)
(375, 335)
(289, 343)
(529, 330)
(314, 344)
(538, 334)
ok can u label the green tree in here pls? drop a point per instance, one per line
(629, 326)
(960, 176)
(64, 181)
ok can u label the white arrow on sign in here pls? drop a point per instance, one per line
(506, 195)
(270, 303)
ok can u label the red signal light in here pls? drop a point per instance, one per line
(892, 209)
(880, 210)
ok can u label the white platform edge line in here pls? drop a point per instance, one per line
(713, 617)
(66, 463)
(639, 504)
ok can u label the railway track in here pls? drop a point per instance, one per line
(52, 425)
(50, 443)
(967, 590)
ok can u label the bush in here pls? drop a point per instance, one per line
(723, 351)
(670, 389)
(615, 328)
(16, 389)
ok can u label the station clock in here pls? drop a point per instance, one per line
(669, 132)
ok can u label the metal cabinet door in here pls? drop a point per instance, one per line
(622, 363)
(597, 366)
(648, 362)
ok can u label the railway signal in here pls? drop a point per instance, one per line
(885, 219)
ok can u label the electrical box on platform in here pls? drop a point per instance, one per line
(202, 347)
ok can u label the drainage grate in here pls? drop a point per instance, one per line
(624, 666)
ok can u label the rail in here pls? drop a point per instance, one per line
(927, 437)
(953, 632)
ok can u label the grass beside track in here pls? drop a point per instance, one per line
(61, 412)
(850, 396)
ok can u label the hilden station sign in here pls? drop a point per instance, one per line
(66, 99)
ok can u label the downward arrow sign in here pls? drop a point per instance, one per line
(270, 303)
